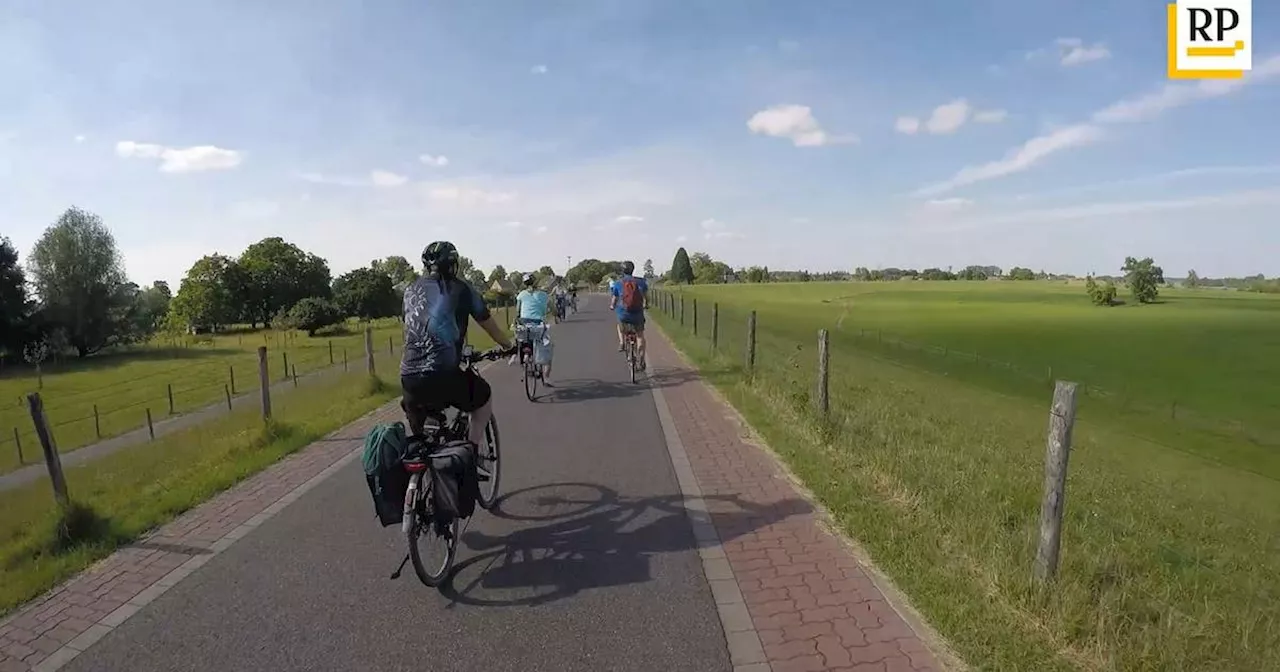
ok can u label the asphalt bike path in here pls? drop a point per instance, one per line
(589, 564)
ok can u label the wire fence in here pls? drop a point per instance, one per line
(1164, 510)
(81, 417)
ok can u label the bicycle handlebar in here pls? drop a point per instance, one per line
(490, 354)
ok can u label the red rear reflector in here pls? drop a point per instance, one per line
(415, 467)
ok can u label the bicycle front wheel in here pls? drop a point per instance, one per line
(531, 381)
(489, 464)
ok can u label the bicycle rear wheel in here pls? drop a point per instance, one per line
(631, 358)
(489, 463)
(432, 547)
(531, 380)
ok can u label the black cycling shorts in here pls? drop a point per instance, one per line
(440, 390)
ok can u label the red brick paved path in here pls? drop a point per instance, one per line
(812, 604)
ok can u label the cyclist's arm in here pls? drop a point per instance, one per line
(496, 332)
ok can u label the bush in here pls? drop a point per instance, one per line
(1101, 295)
(311, 314)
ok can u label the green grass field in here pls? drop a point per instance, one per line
(933, 459)
(123, 385)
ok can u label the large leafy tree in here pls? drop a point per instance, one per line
(312, 314)
(475, 276)
(79, 276)
(395, 267)
(211, 293)
(152, 306)
(681, 268)
(1143, 277)
(365, 293)
(278, 274)
(592, 271)
(498, 273)
(15, 307)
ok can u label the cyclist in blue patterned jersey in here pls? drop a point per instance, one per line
(437, 307)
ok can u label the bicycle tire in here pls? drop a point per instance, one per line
(494, 450)
(530, 381)
(631, 358)
(424, 519)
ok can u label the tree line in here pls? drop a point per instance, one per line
(72, 294)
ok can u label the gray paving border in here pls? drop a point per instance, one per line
(746, 652)
(114, 619)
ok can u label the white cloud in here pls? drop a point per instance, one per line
(625, 219)
(682, 239)
(80, 138)
(714, 228)
(907, 125)
(990, 116)
(1139, 108)
(947, 204)
(252, 210)
(1170, 96)
(514, 224)
(1073, 51)
(186, 160)
(948, 117)
(795, 123)
(468, 195)
(540, 230)
(382, 178)
(437, 161)
(1019, 158)
(538, 69)
(712, 225)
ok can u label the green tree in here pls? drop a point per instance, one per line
(681, 268)
(756, 274)
(1144, 278)
(77, 273)
(278, 274)
(544, 274)
(152, 307)
(1193, 280)
(1101, 295)
(15, 306)
(498, 273)
(395, 267)
(209, 295)
(1020, 273)
(312, 314)
(365, 293)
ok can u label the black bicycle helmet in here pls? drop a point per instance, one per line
(528, 279)
(628, 268)
(440, 256)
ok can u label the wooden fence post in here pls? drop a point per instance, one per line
(695, 317)
(151, 430)
(285, 374)
(751, 343)
(231, 373)
(264, 379)
(295, 375)
(368, 350)
(682, 310)
(391, 348)
(17, 441)
(344, 359)
(331, 352)
(97, 425)
(715, 325)
(228, 391)
(824, 359)
(52, 461)
(1062, 416)
(170, 391)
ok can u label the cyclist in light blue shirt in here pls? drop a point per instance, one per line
(532, 304)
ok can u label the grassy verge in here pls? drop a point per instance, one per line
(125, 494)
(122, 386)
(1169, 562)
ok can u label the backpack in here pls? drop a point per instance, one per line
(632, 297)
(455, 481)
(383, 458)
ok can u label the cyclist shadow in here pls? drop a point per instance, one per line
(604, 542)
(569, 391)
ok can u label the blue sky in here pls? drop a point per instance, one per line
(819, 134)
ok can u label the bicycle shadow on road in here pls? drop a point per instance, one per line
(598, 540)
(581, 389)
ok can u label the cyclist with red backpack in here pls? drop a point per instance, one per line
(629, 296)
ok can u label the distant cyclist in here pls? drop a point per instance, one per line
(437, 307)
(629, 296)
(562, 301)
(531, 304)
(573, 297)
